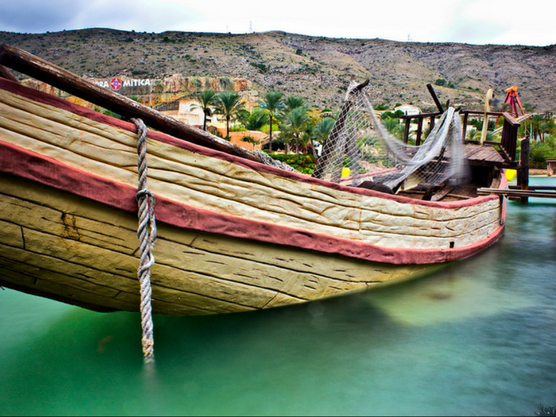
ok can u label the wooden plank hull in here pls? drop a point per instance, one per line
(86, 254)
(234, 235)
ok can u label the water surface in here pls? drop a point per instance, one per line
(475, 338)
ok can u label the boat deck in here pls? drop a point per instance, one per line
(487, 155)
(482, 159)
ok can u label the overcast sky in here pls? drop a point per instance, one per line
(507, 22)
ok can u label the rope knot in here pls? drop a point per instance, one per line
(144, 193)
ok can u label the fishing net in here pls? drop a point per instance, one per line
(360, 149)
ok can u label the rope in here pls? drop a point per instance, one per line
(360, 142)
(146, 231)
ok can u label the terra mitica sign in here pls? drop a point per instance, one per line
(118, 83)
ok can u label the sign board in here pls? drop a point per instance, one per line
(127, 85)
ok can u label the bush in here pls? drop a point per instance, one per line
(262, 67)
(541, 151)
(304, 164)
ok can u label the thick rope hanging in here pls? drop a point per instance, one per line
(146, 232)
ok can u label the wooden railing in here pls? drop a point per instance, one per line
(508, 143)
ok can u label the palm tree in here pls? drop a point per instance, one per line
(253, 120)
(272, 104)
(321, 131)
(536, 121)
(297, 122)
(205, 99)
(228, 104)
(293, 102)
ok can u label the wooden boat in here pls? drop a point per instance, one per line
(234, 234)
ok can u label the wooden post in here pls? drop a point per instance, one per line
(524, 170)
(419, 131)
(464, 133)
(406, 132)
(485, 117)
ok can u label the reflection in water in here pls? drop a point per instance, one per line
(476, 337)
(465, 290)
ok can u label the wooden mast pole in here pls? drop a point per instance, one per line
(47, 72)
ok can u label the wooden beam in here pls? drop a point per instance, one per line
(534, 187)
(420, 115)
(516, 193)
(42, 70)
(465, 118)
(435, 98)
(5, 73)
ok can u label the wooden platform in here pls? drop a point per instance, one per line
(486, 155)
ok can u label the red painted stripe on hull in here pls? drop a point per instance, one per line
(50, 172)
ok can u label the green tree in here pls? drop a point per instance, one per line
(272, 104)
(540, 151)
(293, 102)
(473, 134)
(322, 129)
(546, 127)
(250, 139)
(206, 99)
(305, 139)
(253, 120)
(228, 103)
(320, 132)
(394, 127)
(297, 122)
(528, 108)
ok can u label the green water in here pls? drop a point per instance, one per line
(476, 338)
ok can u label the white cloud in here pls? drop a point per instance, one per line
(469, 21)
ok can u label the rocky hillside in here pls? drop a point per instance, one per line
(316, 68)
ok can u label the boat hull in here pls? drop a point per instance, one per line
(233, 235)
(67, 248)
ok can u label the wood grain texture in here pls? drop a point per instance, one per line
(227, 188)
(87, 254)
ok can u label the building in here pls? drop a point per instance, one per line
(408, 109)
(188, 112)
(550, 167)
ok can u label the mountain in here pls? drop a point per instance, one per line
(316, 68)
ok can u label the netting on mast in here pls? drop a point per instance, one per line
(361, 143)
